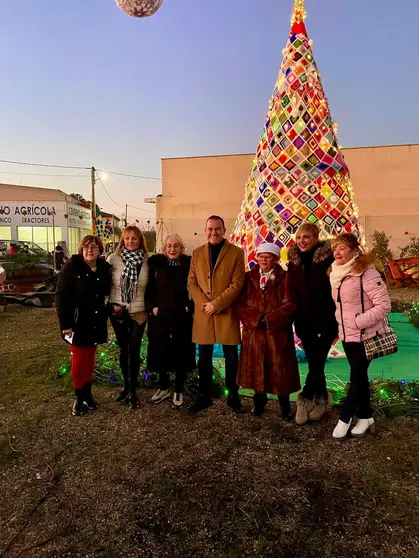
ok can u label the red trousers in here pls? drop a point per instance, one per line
(82, 365)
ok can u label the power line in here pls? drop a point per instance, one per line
(41, 165)
(53, 175)
(119, 205)
(130, 175)
(110, 197)
(140, 208)
(78, 168)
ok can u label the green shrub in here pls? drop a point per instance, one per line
(412, 249)
(381, 248)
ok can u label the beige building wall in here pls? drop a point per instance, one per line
(385, 181)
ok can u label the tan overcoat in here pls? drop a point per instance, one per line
(221, 289)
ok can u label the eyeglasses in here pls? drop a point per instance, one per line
(174, 246)
(91, 247)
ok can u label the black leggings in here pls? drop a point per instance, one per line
(129, 334)
(316, 348)
(358, 399)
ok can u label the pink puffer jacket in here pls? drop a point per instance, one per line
(377, 303)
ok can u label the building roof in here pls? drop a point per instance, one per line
(391, 146)
(13, 192)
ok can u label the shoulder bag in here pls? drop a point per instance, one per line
(381, 344)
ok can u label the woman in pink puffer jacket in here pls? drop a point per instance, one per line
(354, 275)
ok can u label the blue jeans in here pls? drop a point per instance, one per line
(205, 370)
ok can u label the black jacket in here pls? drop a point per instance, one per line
(170, 344)
(315, 306)
(80, 300)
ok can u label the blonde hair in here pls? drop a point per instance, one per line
(308, 227)
(138, 234)
(175, 237)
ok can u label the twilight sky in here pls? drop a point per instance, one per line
(83, 84)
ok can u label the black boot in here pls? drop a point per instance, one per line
(200, 404)
(79, 408)
(132, 397)
(132, 400)
(91, 403)
(284, 403)
(233, 401)
(122, 397)
(260, 400)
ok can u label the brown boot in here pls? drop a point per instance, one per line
(318, 411)
(320, 408)
(304, 407)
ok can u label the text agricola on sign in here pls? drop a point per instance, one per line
(34, 214)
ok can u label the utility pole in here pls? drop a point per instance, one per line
(93, 181)
(113, 228)
(126, 215)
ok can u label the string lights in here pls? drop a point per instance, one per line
(299, 13)
(389, 397)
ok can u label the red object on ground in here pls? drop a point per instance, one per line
(7, 288)
(82, 365)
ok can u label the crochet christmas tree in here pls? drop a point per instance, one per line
(299, 173)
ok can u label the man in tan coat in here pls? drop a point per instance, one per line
(215, 281)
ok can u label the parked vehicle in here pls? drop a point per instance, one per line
(27, 265)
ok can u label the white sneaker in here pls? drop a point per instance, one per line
(177, 401)
(362, 427)
(160, 395)
(341, 430)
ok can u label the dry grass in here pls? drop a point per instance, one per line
(155, 483)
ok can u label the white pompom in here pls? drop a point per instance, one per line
(139, 8)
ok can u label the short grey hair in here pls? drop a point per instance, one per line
(174, 236)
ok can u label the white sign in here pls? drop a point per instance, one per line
(36, 214)
(79, 217)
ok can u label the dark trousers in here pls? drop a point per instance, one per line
(358, 399)
(316, 348)
(129, 334)
(231, 356)
(261, 399)
(180, 377)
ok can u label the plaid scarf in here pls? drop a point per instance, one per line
(265, 277)
(133, 260)
(173, 263)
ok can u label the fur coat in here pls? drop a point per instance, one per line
(268, 361)
(311, 289)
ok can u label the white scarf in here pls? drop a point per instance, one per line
(339, 272)
(266, 276)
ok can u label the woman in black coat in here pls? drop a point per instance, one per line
(82, 286)
(170, 309)
(309, 263)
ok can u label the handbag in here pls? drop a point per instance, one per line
(117, 312)
(381, 344)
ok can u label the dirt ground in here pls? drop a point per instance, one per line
(156, 483)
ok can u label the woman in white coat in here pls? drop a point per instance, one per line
(127, 307)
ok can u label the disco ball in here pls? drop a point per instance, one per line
(139, 8)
